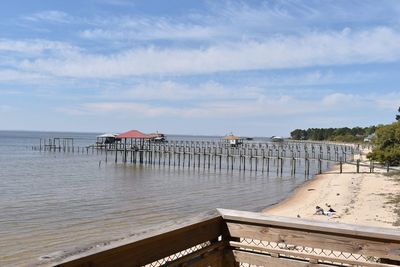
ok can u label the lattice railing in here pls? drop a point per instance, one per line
(261, 240)
(250, 239)
(296, 252)
(176, 256)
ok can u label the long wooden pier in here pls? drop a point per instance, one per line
(283, 157)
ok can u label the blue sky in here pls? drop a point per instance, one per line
(256, 68)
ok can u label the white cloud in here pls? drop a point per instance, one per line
(173, 91)
(37, 47)
(339, 99)
(279, 52)
(49, 16)
(262, 107)
(18, 76)
(343, 101)
(146, 30)
(236, 20)
(267, 106)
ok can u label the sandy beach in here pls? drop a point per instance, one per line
(358, 198)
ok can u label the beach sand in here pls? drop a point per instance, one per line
(358, 198)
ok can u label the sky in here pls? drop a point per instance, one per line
(253, 68)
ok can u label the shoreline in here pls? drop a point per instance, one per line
(358, 198)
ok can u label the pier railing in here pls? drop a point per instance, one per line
(237, 238)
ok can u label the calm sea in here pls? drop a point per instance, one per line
(55, 204)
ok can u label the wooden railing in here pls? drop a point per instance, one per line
(237, 238)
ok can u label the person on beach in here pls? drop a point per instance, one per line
(319, 211)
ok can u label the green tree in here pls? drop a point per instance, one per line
(344, 134)
(387, 144)
(298, 134)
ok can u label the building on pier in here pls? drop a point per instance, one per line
(233, 140)
(107, 138)
(158, 137)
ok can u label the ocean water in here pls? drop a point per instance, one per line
(54, 204)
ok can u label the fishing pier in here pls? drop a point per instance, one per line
(294, 157)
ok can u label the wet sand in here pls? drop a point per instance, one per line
(358, 198)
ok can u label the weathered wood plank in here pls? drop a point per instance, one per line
(264, 260)
(383, 249)
(150, 249)
(213, 259)
(296, 223)
(213, 248)
(315, 257)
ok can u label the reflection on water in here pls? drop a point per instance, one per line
(56, 202)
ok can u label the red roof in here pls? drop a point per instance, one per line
(134, 134)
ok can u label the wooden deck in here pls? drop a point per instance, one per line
(237, 238)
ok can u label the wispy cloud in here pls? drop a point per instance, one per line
(279, 52)
(37, 47)
(174, 91)
(49, 16)
(18, 76)
(266, 106)
(237, 20)
(150, 28)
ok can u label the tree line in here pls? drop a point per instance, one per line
(345, 134)
(386, 140)
(387, 143)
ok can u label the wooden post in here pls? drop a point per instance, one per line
(240, 159)
(106, 153)
(294, 166)
(358, 166)
(319, 165)
(227, 158)
(199, 159)
(251, 160)
(125, 150)
(263, 161)
(209, 158)
(277, 165)
(116, 154)
(256, 158)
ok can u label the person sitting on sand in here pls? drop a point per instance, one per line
(330, 208)
(319, 211)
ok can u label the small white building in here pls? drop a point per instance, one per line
(107, 138)
(233, 140)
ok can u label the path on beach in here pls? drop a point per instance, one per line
(358, 198)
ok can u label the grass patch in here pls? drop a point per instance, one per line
(394, 174)
(395, 201)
